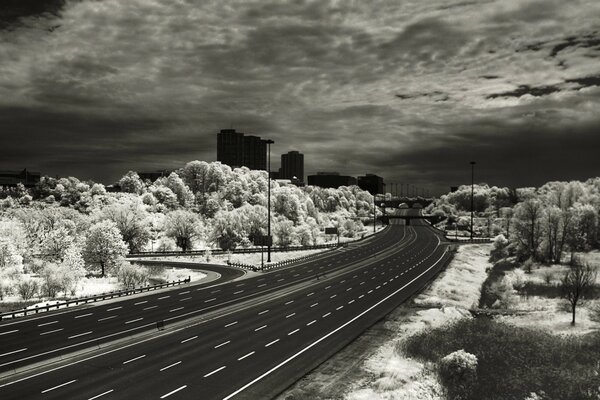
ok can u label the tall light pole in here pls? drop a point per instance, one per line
(472, 192)
(269, 142)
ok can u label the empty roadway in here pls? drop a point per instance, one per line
(259, 349)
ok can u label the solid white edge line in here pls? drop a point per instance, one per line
(173, 391)
(316, 342)
(102, 394)
(61, 385)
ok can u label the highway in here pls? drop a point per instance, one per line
(248, 338)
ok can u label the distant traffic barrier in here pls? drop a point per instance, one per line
(90, 299)
(469, 240)
(271, 266)
(234, 251)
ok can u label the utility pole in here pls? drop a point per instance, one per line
(269, 142)
(472, 193)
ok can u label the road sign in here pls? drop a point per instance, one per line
(331, 231)
(263, 240)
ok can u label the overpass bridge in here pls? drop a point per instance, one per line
(386, 219)
(410, 202)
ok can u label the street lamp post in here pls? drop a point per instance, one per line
(269, 142)
(472, 192)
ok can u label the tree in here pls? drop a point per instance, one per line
(183, 226)
(104, 245)
(132, 183)
(130, 217)
(527, 227)
(576, 283)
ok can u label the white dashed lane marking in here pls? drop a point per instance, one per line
(134, 359)
(246, 356)
(58, 386)
(52, 331)
(169, 366)
(215, 371)
(188, 339)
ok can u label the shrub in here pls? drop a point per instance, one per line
(27, 288)
(500, 249)
(458, 373)
(132, 275)
(528, 265)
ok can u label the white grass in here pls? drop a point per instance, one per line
(460, 284)
(551, 314)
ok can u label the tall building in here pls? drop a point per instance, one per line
(237, 150)
(255, 153)
(230, 147)
(371, 183)
(292, 166)
(331, 180)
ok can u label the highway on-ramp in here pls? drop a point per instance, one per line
(243, 339)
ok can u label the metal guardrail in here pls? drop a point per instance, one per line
(468, 240)
(92, 299)
(274, 265)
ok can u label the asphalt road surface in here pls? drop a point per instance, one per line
(243, 339)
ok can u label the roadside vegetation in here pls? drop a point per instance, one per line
(512, 363)
(63, 236)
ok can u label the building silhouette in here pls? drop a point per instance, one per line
(154, 175)
(371, 183)
(13, 178)
(292, 167)
(255, 153)
(331, 180)
(236, 150)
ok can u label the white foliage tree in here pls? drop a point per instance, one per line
(104, 245)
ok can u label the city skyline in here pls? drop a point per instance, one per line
(410, 91)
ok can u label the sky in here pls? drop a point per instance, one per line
(410, 90)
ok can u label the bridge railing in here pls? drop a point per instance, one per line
(90, 299)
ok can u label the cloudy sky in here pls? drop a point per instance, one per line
(411, 90)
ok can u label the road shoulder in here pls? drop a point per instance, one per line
(373, 366)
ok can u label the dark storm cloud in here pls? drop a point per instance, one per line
(402, 89)
(522, 90)
(12, 11)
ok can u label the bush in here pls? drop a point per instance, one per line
(132, 275)
(458, 374)
(27, 288)
(500, 249)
